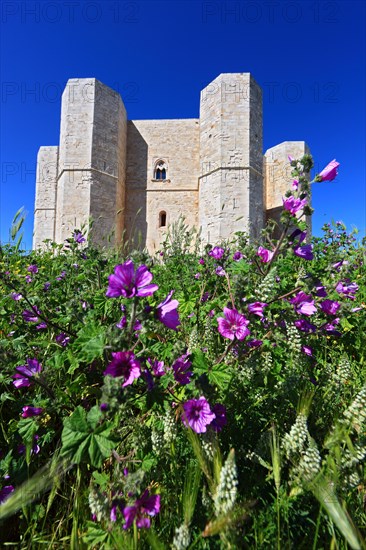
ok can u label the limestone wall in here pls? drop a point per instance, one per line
(176, 142)
(45, 200)
(231, 185)
(277, 170)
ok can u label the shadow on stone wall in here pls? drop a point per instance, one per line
(136, 188)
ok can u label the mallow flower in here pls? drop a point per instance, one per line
(24, 373)
(127, 282)
(329, 172)
(167, 312)
(233, 325)
(124, 363)
(265, 255)
(305, 251)
(293, 205)
(146, 505)
(217, 252)
(197, 414)
(28, 411)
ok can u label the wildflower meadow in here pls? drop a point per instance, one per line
(208, 397)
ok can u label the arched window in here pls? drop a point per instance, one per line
(162, 219)
(160, 170)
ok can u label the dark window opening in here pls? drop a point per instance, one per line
(162, 219)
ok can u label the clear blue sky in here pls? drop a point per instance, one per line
(308, 57)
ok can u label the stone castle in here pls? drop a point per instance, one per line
(135, 177)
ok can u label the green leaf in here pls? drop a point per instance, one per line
(82, 438)
(27, 428)
(220, 376)
(90, 343)
(199, 362)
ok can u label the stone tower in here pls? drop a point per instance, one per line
(135, 178)
(231, 160)
(88, 177)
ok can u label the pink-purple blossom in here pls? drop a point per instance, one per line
(330, 307)
(157, 367)
(146, 505)
(265, 254)
(16, 296)
(293, 205)
(220, 419)
(78, 237)
(305, 251)
(32, 268)
(62, 339)
(5, 492)
(167, 312)
(28, 411)
(303, 304)
(233, 325)
(31, 316)
(329, 172)
(347, 288)
(127, 282)
(304, 325)
(24, 373)
(307, 350)
(197, 414)
(220, 271)
(217, 252)
(124, 364)
(181, 371)
(237, 256)
(257, 308)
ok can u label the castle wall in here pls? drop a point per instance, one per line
(45, 203)
(176, 142)
(277, 171)
(231, 181)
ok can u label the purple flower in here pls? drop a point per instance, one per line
(24, 373)
(290, 158)
(305, 251)
(233, 325)
(78, 237)
(145, 506)
(28, 279)
(157, 367)
(304, 325)
(32, 268)
(220, 419)
(205, 297)
(62, 339)
(330, 307)
(257, 308)
(293, 205)
(181, 367)
(254, 343)
(41, 326)
(125, 364)
(307, 350)
(31, 316)
(16, 296)
(46, 286)
(237, 256)
(337, 266)
(201, 261)
(123, 323)
(347, 288)
(303, 304)
(127, 282)
(5, 492)
(295, 185)
(28, 412)
(35, 448)
(320, 290)
(197, 276)
(220, 271)
(61, 276)
(197, 414)
(330, 327)
(104, 407)
(217, 252)
(167, 312)
(329, 172)
(265, 255)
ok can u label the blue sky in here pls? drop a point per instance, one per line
(308, 57)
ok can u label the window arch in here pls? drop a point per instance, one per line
(160, 170)
(162, 218)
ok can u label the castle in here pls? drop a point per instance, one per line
(135, 177)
